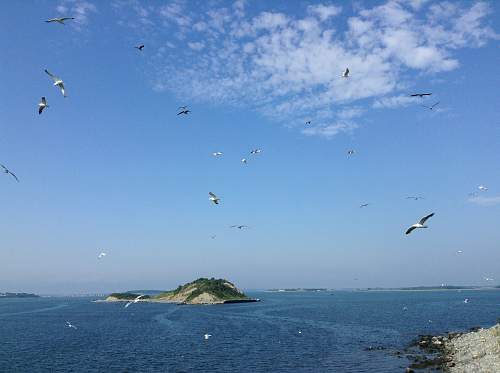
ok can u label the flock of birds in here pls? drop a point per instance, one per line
(184, 110)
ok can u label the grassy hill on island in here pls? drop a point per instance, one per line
(201, 291)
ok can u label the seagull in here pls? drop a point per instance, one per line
(466, 300)
(139, 47)
(487, 278)
(300, 331)
(6, 171)
(134, 301)
(421, 95)
(432, 106)
(101, 255)
(345, 74)
(239, 226)
(59, 20)
(416, 198)
(57, 82)
(351, 152)
(420, 224)
(256, 151)
(459, 251)
(216, 154)
(405, 308)
(213, 198)
(206, 336)
(482, 188)
(213, 237)
(70, 325)
(184, 111)
(244, 161)
(42, 105)
(308, 122)
(364, 205)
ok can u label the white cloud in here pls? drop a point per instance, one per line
(485, 201)
(289, 67)
(79, 9)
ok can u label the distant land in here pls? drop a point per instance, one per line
(423, 288)
(297, 290)
(201, 291)
(18, 295)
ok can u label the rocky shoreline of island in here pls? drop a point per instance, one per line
(477, 350)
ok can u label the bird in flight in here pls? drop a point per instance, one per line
(217, 154)
(415, 198)
(59, 20)
(42, 105)
(364, 205)
(466, 300)
(459, 251)
(256, 151)
(351, 152)
(206, 336)
(482, 188)
(7, 171)
(101, 255)
(345, 74)
(244, 161)
(212, 197)
(420, 224)
(487, 278)
(134, 301)
(421, 95)
(70, 325)
(57, 82)
(308, 122)
(183, 110)
(213, 237)
(239, 226)
(432, 106)
(139, 47)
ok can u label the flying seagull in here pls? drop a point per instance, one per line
(134, 301)
(345, 74)
(42, 105)
(466, 300)
(420, 224)
(351, 152)
(206, 336)
(216, 154)
(59, 20)
(70, 325)
(487, 278)
(416, 198)
(57, 82)
(213, 237)
(6, 171)
(184, 111)
(256, 151)
(308, 122)
(101, 255)
(213, 198)
(459, 251)
(421, 95)
(364, 205)
(482, 188)
(244, 161)
(239, 226)
(139, 47)
(432, 106)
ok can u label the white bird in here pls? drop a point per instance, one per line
(206, 336)
(459, 251)
(300, 332)
(42, 105)
(466, 300)
(345, 74)
(212, 197)
(244, 161)
(57, 82)
(482, 188)
(420, 224)
(101, 255)
(351, 152)
(405, 308)
(256, 151)
(59, 20)
(487, 278)
(216, 154)
(134, 301)
(70, 325)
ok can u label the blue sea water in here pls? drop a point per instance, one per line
(286, 332)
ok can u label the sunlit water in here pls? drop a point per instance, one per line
(286, 332)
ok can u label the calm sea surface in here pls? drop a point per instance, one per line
(286, 332)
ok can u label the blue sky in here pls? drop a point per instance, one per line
(113, 168)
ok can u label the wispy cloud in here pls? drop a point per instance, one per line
(289, 67)
(80, 9)
(485, 201)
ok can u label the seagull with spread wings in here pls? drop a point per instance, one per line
(421, 95)
(139, 47)
(183, 110)
(364, 205)
(59, 20)
(70, 325)
(217, 154)
(345, 74)
(415, 198)
(212, 197)
(432, 106)
(420, 224)
(256, 151)
(134, 301)
(7, 171)
(239, 226)
(42, 105)
(57, 82)
(101, 255)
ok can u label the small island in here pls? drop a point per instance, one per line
(18, 295)
(201, 291)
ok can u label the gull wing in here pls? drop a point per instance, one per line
(54, 78)
(411, 229)
(212, 195)
(437, 103)
(14, 176)
(61, 85)
(44, 101)
(66, 18)
(424, 219)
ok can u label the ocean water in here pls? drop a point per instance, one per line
(286, 332)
